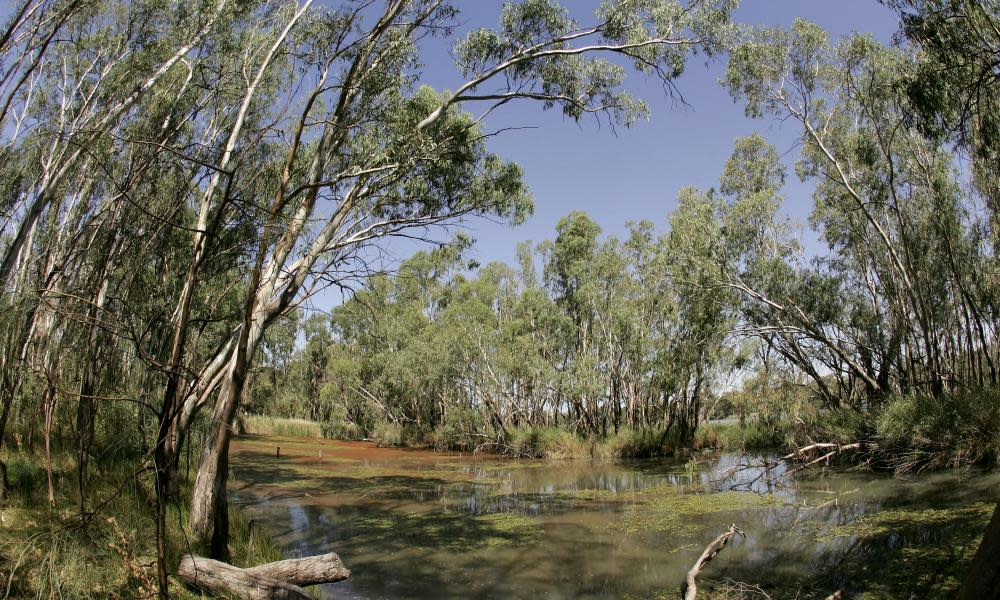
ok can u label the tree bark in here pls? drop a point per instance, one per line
(209, 504)
(983, 579)
(7, 401)
(310, 570)
(49, 402)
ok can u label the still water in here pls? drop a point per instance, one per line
(420, 524)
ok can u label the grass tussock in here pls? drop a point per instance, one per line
(267, 425)
(547, 442)
(388, 435)
(915, 432)
(918, 431)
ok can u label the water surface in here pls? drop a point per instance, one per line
(419, 524)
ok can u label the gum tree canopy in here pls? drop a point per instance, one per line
(178, 175)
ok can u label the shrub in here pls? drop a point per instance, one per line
(341, 430)
(387, 434)
(26, 477)
(632, 443)
(755, 435)
(706, 436)
(462, 431)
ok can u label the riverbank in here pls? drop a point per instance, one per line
(541, 442)
(109, 550)
(901, 434)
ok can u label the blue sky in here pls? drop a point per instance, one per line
(634, 174)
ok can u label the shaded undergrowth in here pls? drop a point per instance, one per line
(109, 550)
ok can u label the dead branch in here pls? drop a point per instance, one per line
(690, 590)
(802, 454)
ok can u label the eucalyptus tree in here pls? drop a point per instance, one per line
(901, 307)
(953, 92)
(70, 84)
(700, 320)
(953, 88)
(317, 348)
(571, 278)
(625, 334)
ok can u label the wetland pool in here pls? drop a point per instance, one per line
(423, 524)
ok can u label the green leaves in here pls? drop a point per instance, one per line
(546, 56)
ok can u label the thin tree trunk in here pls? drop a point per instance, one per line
(86, 410)
(49, 406)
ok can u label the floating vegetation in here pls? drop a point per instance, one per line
(923, 552)
(447, 530)
(906, 520)
(663, 509)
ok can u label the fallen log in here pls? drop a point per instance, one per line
(690, 590)
(281, 580)
(310, 570)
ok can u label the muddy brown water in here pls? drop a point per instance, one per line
(421, 524)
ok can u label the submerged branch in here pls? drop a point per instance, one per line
(690, 589)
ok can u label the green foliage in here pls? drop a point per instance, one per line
(919, 431)
(535, 35)
(462, 430)
(952, 91)
(753, 435)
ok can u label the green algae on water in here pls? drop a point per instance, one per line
(662, 509)
(449, 531)
(917, 566)
(902, 519)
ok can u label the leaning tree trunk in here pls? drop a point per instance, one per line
(209, 504)
(983, 579)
